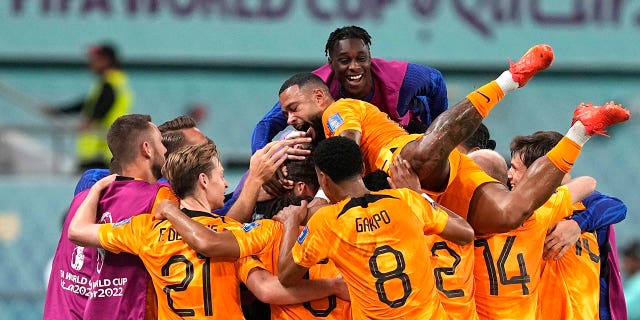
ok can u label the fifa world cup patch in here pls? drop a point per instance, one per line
(249, 226)
(123, 222)
(334, 122)
(303, 235)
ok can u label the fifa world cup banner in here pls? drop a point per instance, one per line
(585, 33)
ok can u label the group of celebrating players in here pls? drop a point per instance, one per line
(369, 210)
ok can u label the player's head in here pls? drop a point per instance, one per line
(376, 181)
(348, 54)
(338, 160)
(134, 138)
(197, 169)
(303, 98)
(481, 139)
(103, 57)
(527, 149)
(631, 258)
(179, 132)
(492, 163)
(303, 175)
(275, 206)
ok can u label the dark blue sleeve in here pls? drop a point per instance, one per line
(89, 178)
(229, 200)
(424, 92)
(267, 128)
(601, 211)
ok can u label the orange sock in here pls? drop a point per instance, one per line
(485, 97)
(564, 154)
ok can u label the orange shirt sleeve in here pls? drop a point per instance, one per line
(342, 115)
(164, 193)
(311, 245)
(433, 217)
(126, 235)
(254, 237)
(246, 264)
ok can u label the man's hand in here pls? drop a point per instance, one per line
(561, 237)
(293, 215)
(105, 182)
(278, 185)
(341, 289)
(403, 176)
(164, 208)
(301, 143)
(267, 160)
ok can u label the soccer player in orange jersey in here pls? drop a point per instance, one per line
(375, 239)
(573, 280)
(187, 284)
(261, 240)
(450, 177)
(508, 265)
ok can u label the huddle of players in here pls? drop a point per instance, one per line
(401, 254)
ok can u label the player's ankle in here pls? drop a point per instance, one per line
(578, 133)
(506, 82)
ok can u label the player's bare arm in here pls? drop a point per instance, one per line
(289, 272)
(354, 135)
(457, 230)
(262, 167)
(83, 229)
(202, 239)
(564, 234)
(268, 288)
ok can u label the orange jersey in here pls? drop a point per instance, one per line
(328, 308)
(381, 137)
(377, 243)
(570, 286)
(452, 263)
(186, 283)
(508, 265)
(452, 268)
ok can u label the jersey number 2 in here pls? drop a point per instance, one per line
(182, 286)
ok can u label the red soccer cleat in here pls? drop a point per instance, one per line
(596, 118)
(538, 58)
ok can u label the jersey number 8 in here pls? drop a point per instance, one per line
(396, 273)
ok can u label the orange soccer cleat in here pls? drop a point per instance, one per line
(538, 58)
(596, 118)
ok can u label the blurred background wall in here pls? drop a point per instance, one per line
(230, 57)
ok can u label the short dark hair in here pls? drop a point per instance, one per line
(348, 32)
(271, 208)
(480, 139)
(304, 171)
(172, 136)
(376, 181)
(125, 134)
(183, 167)
(301, 80)
(534, 146)
(632, 250)
(178, 123)
(107, 50)
(338, 157)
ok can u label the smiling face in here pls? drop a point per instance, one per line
(516, 170)
(350, 60)
(304, 107)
